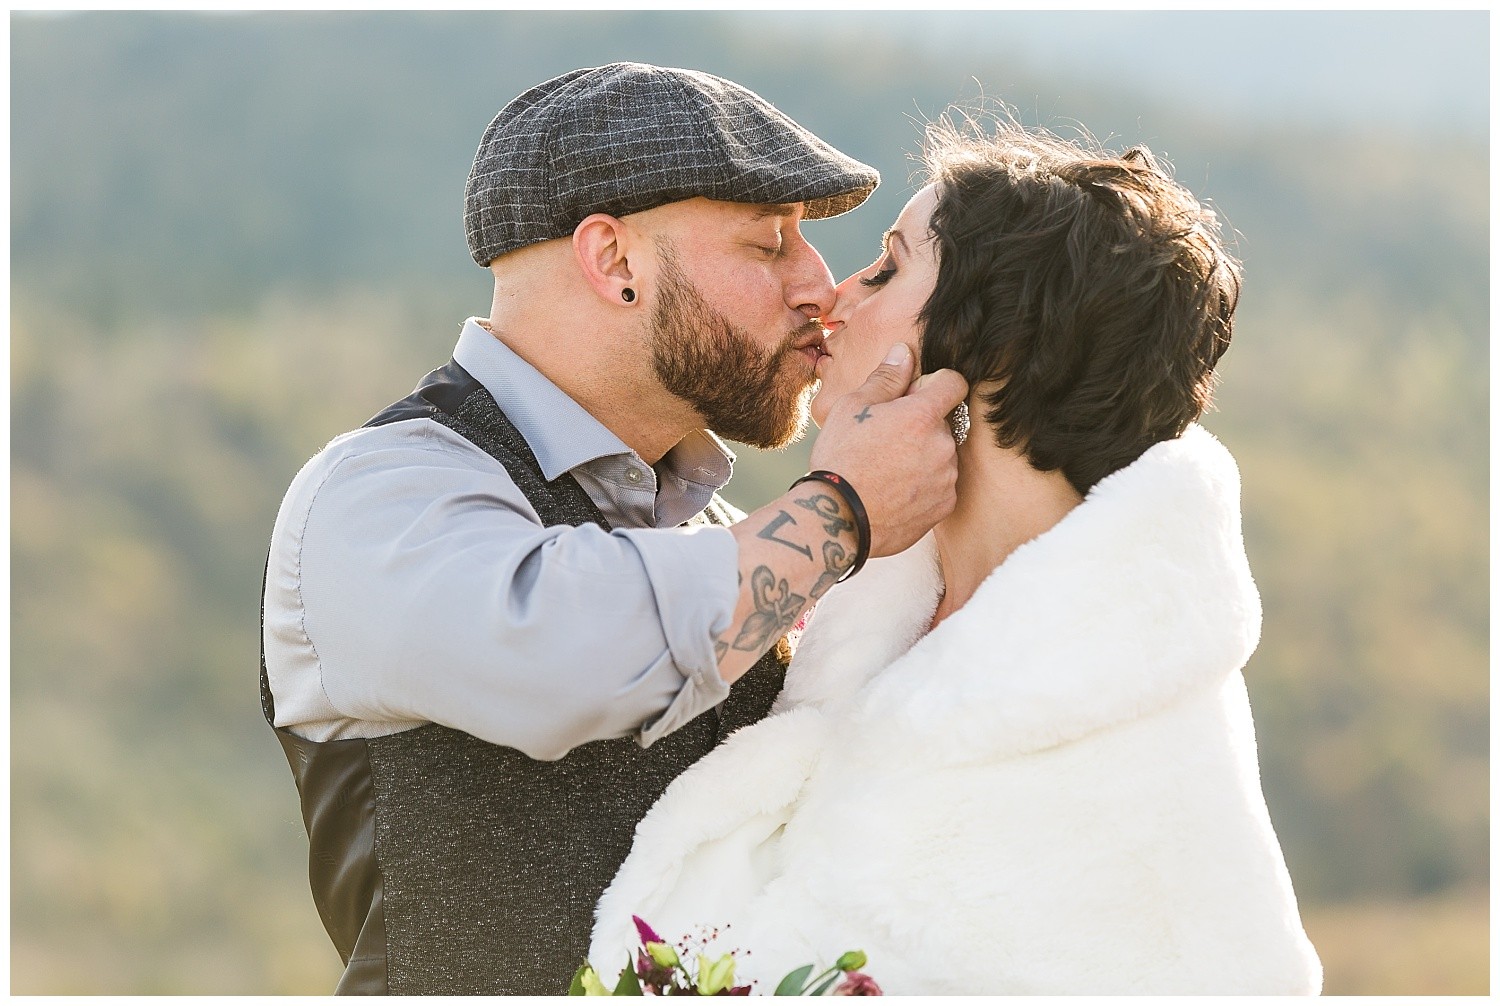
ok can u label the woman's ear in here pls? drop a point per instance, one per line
(601, 246)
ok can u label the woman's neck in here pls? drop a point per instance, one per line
(1003, 502)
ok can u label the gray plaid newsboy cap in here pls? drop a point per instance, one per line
(627, 137)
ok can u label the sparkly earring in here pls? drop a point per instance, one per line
(958, 423)
(627, 295)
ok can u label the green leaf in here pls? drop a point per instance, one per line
(629, 983)
(793, 983)
(576, 988)
(826, 984)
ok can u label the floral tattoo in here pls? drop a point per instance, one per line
(827, 507)
(836, 563)
(777, 608)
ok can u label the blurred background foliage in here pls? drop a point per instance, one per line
(234, 237)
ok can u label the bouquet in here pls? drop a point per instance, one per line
(659, 970)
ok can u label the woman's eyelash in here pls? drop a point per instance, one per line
(881, 278)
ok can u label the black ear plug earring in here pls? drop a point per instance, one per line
(627, 295)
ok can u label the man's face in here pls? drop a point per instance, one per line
(732, 329)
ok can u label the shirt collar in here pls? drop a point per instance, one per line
(700, 458)
(563, 434)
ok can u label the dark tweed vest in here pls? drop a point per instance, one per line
(444, 864)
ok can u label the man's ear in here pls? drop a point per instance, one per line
(602, 247)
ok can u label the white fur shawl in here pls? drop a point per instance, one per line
(1055, 791)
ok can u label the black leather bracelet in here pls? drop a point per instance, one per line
(861, 519)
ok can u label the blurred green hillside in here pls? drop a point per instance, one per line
(234, 237)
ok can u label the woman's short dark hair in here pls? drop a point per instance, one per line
(1092, 285)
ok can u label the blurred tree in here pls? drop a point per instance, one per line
(234, 237)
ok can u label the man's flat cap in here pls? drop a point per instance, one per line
(627, 137)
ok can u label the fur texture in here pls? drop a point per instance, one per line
(1055, 791)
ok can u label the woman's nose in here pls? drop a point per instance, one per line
(846, 296)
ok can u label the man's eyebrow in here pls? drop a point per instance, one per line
(774, 210)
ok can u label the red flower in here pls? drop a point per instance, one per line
(857, 983)
(648, 935)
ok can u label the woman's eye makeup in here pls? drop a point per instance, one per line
(882, 276)
(887, 263)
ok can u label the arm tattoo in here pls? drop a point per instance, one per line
(862, 415)
(836, 563)
(776, 609)
(721, 645)
(827, 507)
(769, 533)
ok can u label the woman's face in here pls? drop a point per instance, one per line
(877, 307)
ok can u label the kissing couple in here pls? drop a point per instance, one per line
(967, 697)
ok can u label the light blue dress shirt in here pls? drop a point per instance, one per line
(410, 582)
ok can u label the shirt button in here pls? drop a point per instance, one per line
(633, 474)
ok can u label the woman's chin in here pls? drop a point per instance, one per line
(818, 407)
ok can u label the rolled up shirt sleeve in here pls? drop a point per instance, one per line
(430, 591)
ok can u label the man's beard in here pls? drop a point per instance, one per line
(744, 394)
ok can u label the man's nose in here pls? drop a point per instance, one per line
(810, 289)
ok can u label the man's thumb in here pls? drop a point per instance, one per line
(890, 380)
